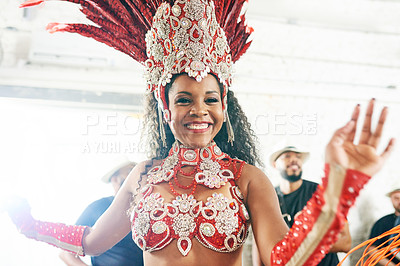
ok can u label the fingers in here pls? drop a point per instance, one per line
(376, 136)
(354, 117)
(366, 129)
(389, 148)
(342, 134)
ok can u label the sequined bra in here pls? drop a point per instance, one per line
(220, 223)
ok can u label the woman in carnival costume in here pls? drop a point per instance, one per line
(194, 201)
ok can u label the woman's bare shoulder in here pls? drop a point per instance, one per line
(137, 174)
(251, 176)
(251, 172)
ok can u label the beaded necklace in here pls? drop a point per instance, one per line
(209, 168)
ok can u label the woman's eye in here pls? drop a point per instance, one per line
(182, 100)
(212, 100)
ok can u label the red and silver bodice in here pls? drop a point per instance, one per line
(220, 223)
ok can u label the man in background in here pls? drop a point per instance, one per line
(294, 192)
(386, 223)
(125, 252)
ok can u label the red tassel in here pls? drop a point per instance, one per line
(122, 24)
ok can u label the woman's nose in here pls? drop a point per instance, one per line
(198, 110)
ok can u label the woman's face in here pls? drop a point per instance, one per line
(196, 110)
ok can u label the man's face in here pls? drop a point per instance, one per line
(395, 197)
(290, 165)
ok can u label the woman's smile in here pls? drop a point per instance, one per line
(198, 127)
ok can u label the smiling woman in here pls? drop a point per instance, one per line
(194, 201)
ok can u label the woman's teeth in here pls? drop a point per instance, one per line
(197, 126)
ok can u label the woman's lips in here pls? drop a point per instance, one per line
(198, 127)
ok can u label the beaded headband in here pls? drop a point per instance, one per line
(168, 37)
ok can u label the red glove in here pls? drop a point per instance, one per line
(67, 237)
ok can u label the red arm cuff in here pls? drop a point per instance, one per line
(67, 237)
(316, 229)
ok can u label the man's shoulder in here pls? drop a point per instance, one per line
(102, 201)
(309, 183)
(385, 218)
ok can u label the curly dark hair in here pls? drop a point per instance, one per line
(243, 148)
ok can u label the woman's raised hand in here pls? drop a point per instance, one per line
(18, 209)
(363, 156)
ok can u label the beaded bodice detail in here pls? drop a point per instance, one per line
(210, 168)
(221, 223)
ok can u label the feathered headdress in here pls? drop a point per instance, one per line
(168, 37)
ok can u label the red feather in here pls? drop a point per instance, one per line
(122, 24)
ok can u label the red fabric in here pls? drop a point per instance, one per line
(67, 237)
(286, 248)
(59, 235)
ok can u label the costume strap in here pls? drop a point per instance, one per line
(316, 229)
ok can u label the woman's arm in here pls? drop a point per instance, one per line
(349, 167)
(262, 202)
(109, 229)
(114, 224)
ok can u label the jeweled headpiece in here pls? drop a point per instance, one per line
(186, 37)
(168, 37)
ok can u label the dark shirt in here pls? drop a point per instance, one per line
(124, 253)
(381, 226)
(293, 203)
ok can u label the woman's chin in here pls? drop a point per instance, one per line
(197, 143)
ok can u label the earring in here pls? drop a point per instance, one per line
(229, 130)
(167, 115)
(162, 129)
(160, 108)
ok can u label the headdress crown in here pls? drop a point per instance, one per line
(186, 38)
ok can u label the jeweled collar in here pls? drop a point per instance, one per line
(209, 167)
(189, 156)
